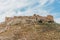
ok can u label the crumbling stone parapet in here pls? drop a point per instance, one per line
(32, 19)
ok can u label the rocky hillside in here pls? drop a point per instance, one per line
(15, 30)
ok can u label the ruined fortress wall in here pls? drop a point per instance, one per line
(49, 17)
(30, 18)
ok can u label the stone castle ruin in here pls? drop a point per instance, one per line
(29, 19)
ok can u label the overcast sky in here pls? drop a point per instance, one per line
(12, 8)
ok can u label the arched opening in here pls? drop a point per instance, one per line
(50, 21)
(40, 21)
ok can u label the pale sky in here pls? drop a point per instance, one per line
(12, 8)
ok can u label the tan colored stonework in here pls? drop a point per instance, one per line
(32, 19)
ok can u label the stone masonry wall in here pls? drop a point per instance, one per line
(26, 19)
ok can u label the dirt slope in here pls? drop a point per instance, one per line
(30, 31)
